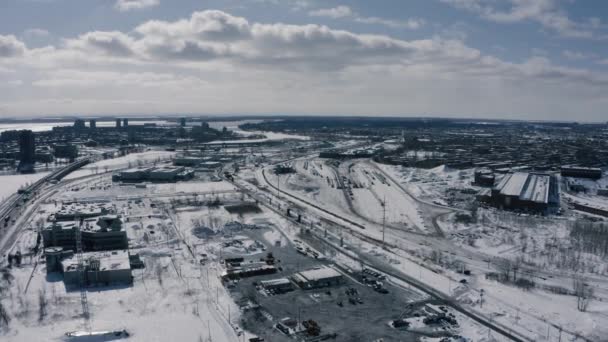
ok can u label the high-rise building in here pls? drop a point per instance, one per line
(93, 123)
(118, 122)
(79, 124)
(27, 151)
(125, 123)
(182, 122)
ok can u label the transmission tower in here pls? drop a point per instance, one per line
(83, 278)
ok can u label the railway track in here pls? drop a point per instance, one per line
(434, 293)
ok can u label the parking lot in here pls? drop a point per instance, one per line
(357, 310)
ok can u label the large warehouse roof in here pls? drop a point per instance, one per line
(527, 186)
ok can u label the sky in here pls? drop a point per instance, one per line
(502, 59)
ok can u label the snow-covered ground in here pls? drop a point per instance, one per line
(12, 183)
(128, 161)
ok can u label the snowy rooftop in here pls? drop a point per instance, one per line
(526, 186)
(319, 274)
(537, 189)
(513, 184)
(111, 260)
(275, 282)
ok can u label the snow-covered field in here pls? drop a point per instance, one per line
(128, 161)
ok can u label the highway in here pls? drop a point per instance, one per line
(13, 210)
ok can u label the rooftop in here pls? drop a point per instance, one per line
(114, 260)
(527, 186)
(320, 273)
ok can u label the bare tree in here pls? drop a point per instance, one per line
(5, 319)
(159, 274)
(42, 304)
(504, 266)
(583, 293)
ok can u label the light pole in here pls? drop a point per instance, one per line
(383, 220)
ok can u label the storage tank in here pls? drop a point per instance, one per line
(53, 259)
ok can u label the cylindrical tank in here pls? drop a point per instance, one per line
(53, 259)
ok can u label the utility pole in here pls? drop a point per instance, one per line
(383, 219)
(278, 186)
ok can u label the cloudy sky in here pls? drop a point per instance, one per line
(511, 59)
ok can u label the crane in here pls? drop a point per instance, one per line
(83, 278)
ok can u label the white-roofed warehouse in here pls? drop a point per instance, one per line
(526, 191)
(318, 277)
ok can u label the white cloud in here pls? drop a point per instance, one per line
(546, 12)
(201, 64)
(36, 32)
(10, 46)
(108, 43)
(577, 55)
(341, 12)
(335, 13)
(128, 5)
(412, 24)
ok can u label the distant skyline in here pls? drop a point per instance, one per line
(494, 59)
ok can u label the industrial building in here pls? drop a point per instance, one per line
(592, 208)
(101, 268)
(154, 174)
(107, 234)
(318, 277)
(54, 256)
(279, 285)
(484, 177)
(581, 172)
(248, 270)
(188, 161)
(526, 191)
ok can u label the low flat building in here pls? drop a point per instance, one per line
(135, 174)
(188, 161)
(248, 270)
(154, 174)
(602, 192)
(592, 208)
(318, 277)
(101, 269)
(484, 177)
(581, 172)
(277, 285)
